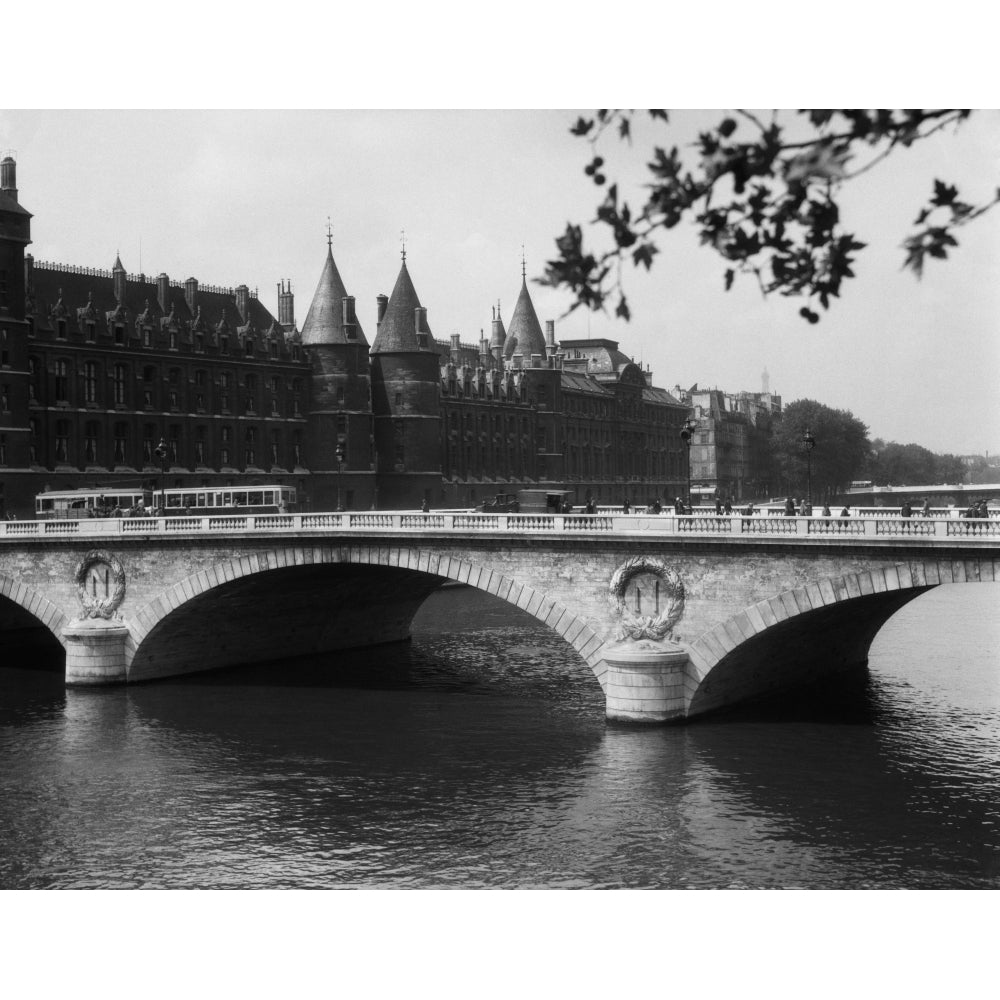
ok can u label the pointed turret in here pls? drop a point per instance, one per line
(403, 326)
(524, 335)
(331, 318)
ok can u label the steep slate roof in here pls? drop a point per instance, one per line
(397, 331)
(76, 287)
(524, 335)
(325, 321)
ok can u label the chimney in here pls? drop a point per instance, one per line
(420, 325)
(29, 272)
(348, 317)
(381, 302)
(456, 347)
(286, 305)
(550, 337)
(242, 301)
(163, 292)
(191, 293)
(8, 176)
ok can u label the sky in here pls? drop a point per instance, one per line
(244, 196)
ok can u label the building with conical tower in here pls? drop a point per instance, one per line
(100, 367)
(340, 414)
(406, 405)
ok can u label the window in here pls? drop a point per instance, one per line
(172, 340)
(121, 443)
(32, 379)
(274, 348)
(249, 450)
(3, 448)
(60, 329)
(199, 343)
(90, 382)
(119, 334)
(148, 433)
(147, 337)
(62, 440)
(91, 430)
(33, 442)
(248, 347)
(121, 376)
(224, 344)
(5, 398)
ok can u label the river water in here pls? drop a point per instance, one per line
(478, 756)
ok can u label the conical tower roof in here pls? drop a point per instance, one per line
(524, 335)
(498, 335)
(325, 320)
(398, 329)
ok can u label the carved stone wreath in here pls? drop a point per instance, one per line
(100, 605)
(638, 627)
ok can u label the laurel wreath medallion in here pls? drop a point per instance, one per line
(639, 627)
(94, 606)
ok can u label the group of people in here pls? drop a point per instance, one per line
(977, 510)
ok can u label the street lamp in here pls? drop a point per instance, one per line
(340, 470)
(687, 432)
(809, 442)
(160, 451)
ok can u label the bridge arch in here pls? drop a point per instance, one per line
(40, 608)
(573, 629)
(810, 632)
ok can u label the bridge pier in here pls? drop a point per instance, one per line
(95, 652)
(645, 682)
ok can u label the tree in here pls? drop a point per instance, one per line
(765, 201)
(895, 464)
(840, 453)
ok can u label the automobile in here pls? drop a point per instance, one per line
(502, 503)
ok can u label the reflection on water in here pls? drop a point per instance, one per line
(478, 756)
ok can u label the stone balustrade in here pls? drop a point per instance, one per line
(464, 522)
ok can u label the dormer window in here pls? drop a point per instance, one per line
(172, 340)
(224, 344)
(274, 348)
(199, 343)
(91, 332)
(249, 347)
(119, 334)
(61, 329)
(295, 352)
(147, 337)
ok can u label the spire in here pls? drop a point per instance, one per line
(524, 335)
(324, 323)
(398, 330)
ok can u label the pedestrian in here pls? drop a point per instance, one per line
(729, 505)
(678, 506)
(906, 510)
(789, 507)
(845, 513)
(926, 510)
(826, 510)
(626, 507)
(425, 507)
(657, 506)
(718, 506)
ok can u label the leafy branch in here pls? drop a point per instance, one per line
(766, 203)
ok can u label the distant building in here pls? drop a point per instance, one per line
(99, 366)
(731, 446)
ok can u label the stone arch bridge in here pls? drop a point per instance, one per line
(675, 615)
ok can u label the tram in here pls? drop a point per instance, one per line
(271, 498)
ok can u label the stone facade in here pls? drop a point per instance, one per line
(99, 366)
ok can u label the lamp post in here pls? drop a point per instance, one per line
(340, 470)
(687, 432)
(160, 451)
(809, 442)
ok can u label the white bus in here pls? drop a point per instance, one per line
(270, 498)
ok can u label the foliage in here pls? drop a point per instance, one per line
(839, 456)
(766, 201)
(895, 464)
